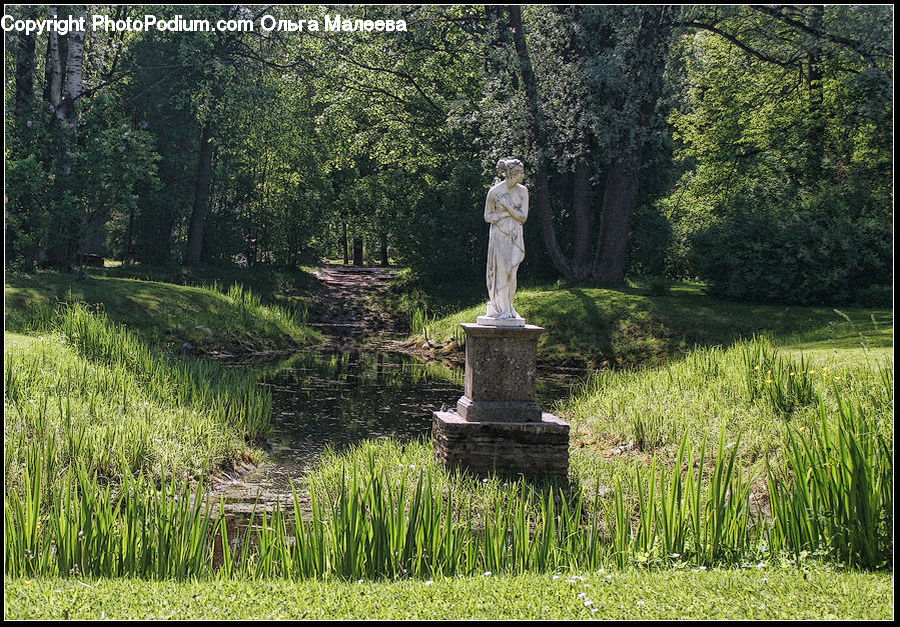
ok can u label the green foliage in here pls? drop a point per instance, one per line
(783, 196)
(836, 493)
(758, 251)
(782, 144)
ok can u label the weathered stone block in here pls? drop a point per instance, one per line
(500, 374)
(533, 449)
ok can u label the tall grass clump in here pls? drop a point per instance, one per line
(229, 392)
(681, 513)
(367, 522)
(784, 385)
(95, 529)
(111, 403)
(835, 491)
(749, 388)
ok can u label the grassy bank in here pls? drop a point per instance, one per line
(93, 395)
(754, 593)
(209, 318)
(629, 327)
(693, 484)
(752, 390)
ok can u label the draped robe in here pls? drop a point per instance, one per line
(506, 247)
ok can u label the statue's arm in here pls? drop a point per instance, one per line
(521, 214)
(490, 213)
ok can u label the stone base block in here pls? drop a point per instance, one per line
(499, 411)
(500, 362)
(500, 322)
(533, 449)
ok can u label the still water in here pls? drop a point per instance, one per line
(338, 399)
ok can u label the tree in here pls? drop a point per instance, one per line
(591, 97)
(783, 135)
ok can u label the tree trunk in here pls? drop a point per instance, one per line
(344, 242)
(201, 199)
(618, 203)
(128, 254)
(541, 197)
(384, 249)
(53, 71)
(24, 104)
(581, 214)
(623, 180)
(24, 75)
(358, 251)
(72, 86)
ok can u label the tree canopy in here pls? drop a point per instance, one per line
(749, 147)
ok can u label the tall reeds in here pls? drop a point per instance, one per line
(369, 513)
(835, 491)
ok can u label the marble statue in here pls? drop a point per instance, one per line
(506, 209)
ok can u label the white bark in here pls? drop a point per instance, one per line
(72, 88)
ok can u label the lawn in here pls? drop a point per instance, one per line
(208, 318)
(752, 593)
(628, 327)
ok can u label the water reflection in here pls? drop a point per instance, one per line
(322, 399)
(340, 399)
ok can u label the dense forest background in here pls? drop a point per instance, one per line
(747, 147)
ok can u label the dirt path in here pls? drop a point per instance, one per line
(344, 311)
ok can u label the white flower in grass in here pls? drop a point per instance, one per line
(429, 582)
(488, 573)
(581, 595)
(588, 603)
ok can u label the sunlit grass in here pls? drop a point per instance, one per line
(759, 592)
(752, 390)
(628, 327)
(92, 393)
(208, 318)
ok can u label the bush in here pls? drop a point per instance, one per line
(794, 247)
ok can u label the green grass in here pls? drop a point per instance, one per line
(628, 327)
(165, 314)
(94, 394)
(741, 456)
(861, 337)
(620, 418)
(292, 288)
(768, 593)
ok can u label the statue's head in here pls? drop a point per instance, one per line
(511, 168)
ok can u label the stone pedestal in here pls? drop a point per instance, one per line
(500, 374)
(497, 426)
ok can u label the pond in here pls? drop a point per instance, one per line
(334, 399)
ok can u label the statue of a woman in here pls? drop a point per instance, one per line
(506, 208)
